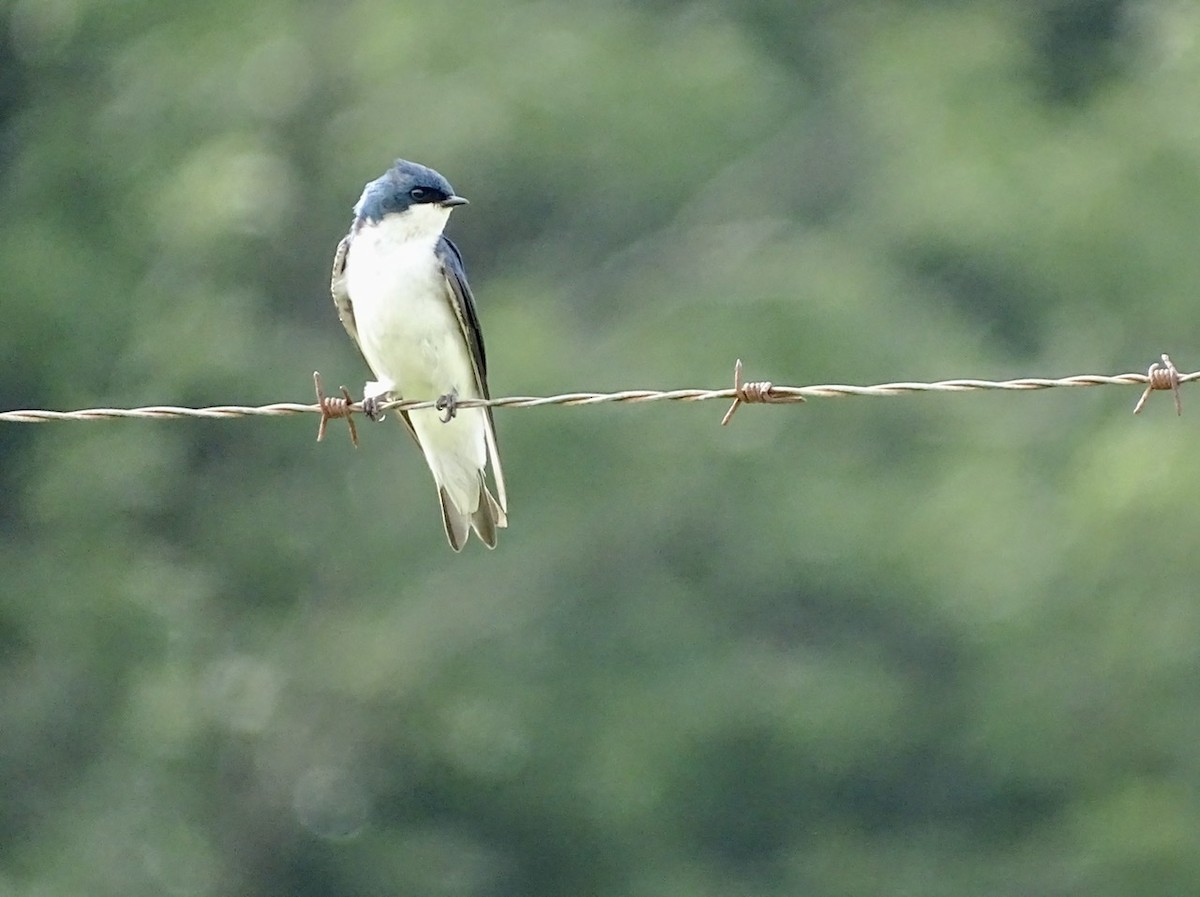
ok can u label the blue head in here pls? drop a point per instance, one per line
(403, 186)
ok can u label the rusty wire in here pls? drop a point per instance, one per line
(1160, 376)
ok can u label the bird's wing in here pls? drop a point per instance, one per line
(463, 304)
(345, 310)
(341, 295)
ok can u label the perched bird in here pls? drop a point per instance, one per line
(402, 295)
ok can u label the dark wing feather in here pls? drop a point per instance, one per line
(464, 309)
(341, 296)
(463, 303)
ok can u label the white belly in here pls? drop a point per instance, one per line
(407, 327)
(411, 338)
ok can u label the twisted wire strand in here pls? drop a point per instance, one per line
(761, 392)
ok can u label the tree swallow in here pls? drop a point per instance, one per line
(401, 293)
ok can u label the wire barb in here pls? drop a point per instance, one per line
(332, 408)
(1162, 376)
(753, 393)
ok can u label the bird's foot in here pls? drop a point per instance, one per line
(370, 407)
(375, 394)
(447, 404)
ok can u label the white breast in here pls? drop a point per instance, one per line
(406, 324)
(411, 338)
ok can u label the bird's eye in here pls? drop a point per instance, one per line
(418, 194)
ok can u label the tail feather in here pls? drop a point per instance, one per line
(454, 521)
(488, 517)
(485, 520)
(489, 435)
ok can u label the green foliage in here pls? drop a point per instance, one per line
(939, 645)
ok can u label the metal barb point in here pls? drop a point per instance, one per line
(1161, 376)
(755, 392)
(333, 408)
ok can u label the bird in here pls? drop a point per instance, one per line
(401, 292)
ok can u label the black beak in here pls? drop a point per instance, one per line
(451, 201)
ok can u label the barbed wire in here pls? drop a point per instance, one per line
(1160, 376)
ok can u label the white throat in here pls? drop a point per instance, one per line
(424, 221)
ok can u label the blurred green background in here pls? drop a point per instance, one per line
(938, 645)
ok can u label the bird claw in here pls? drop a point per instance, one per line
(370, 407)
(449, 404)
